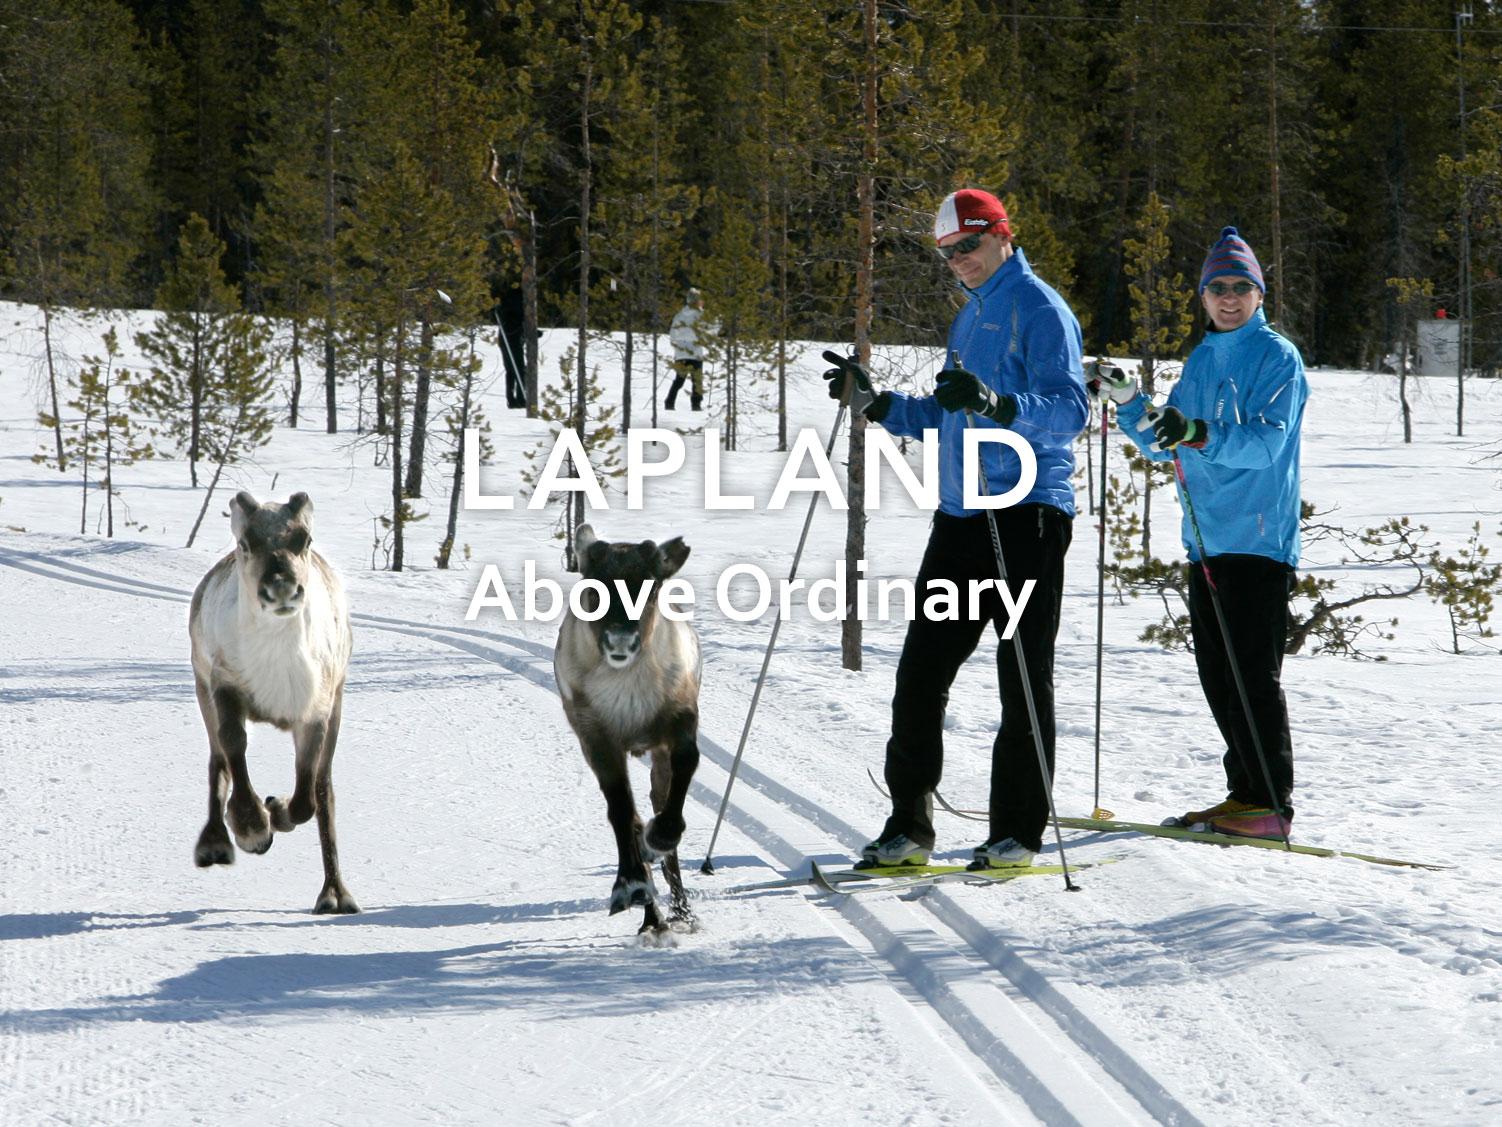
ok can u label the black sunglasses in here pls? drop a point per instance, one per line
(1240, 289)
(964, 246)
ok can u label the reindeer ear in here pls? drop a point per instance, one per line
(584, 539)
(671, 556)
(300, 508)
(240, 510)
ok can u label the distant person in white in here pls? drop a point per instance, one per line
(687, 335)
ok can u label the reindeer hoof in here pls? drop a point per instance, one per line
(213, 848)
(662, 836)
(278, 814)
(335, 901)
(255, 843)
(252, 826)
(631, 894)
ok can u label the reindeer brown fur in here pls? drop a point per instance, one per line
(630, 686)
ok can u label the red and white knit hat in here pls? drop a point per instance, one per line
(969, 210)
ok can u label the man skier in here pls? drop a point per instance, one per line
(1013, 362)
(1232, 422)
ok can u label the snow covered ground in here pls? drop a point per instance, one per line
(484, 981)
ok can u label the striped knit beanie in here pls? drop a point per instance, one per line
(1231, 255)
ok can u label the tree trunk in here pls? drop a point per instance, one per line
(630, 350)
(1274, 160)
(445, 550)
(782, 329)
(109, 468)
(1403, 382)
(383, 422)
(586, 184)
(855, 523)
(195, 397)
(397, 501)
(296, 371)
(57, 417)
(529, 309)
(420, 396)
(330, 233)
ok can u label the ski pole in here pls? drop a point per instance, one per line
(1027, 685)
(708, 867)
(1100, 600)
(1225, 634)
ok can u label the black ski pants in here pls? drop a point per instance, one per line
(1034, 539)
(687, 370)
(1254, 593)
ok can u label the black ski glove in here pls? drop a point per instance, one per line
(959, 390)
(1171, 427)
(863, 397)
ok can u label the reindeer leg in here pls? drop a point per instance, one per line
(671, 774)
(633, 877)
(247, 815)
(334, 897)
(310, 740)
(214, 847)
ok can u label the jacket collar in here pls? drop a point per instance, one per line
(1008, 272)
(1236, 336)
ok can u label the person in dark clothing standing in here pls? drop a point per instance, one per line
(1232, 421)
(513, 341)
(1013, 362)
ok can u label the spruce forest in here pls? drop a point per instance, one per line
(372, 172)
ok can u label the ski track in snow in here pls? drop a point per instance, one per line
(1005, 997)
(1069, 1071)
(484, 982)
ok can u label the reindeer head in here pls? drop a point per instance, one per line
(621, 631)
(273, 547)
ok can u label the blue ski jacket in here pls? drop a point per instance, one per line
(1018, 336)
(1243, 483)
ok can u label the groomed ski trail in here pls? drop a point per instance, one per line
(1042, 1048)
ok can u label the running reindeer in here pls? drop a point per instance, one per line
(630, 685)
(271, 643)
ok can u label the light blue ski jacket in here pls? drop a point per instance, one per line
(1249, 385)
(1018, 336)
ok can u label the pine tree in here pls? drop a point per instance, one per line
(601, 441)
(74, 150)
(737, 282)
(1382, 87)
(309, 154)
(102, 434)
(642, 205)
(463, 417)
(191, 344)
(1414, 295)
(433, 82)
(208, 55)
(417, 258)
(1464, 585)
(237, 417)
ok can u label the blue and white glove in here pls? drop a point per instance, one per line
(1106, 378)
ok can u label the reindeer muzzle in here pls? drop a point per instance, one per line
(620, 647)
(281, 594)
